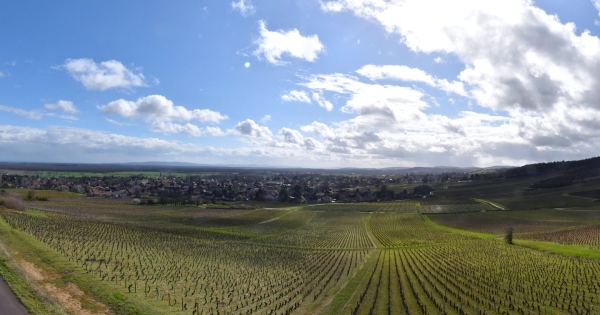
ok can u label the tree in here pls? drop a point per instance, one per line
(13, 201)
(30, 195)
(422, 190)
(283, 194)
(297, 193)
(508, 238)
(260, 195)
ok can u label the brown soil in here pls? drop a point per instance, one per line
(32, 271)
(70, 297)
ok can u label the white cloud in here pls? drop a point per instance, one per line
(159, 108)
(596, 4)
(296, 96)
(295, 138)
(70, 118)
(542, 75)
(379, 106)
(404, 73)
(1, 74)
(103, 76)
(244, 6)
(66, 106)
(66, 144)
(118, 123)
(248, 128)
(273, 44)
(322, 101)
(265, 119)
(31, 114)
(190, 129)
(161, 113)
(438, 59)
(516, 56)
(166, 127)
(290, 136)
(213, 131)
(320, 129)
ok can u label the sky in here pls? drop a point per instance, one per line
(300, 83)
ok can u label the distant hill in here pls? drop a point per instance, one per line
(560, 173)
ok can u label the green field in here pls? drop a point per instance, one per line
(421, 256)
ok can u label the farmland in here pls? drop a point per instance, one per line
(416, 256)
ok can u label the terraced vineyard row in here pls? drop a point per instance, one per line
(485, 277)
(541, 202)
(198, 275)
(394, 230)
(497, 222)
(342, 230)
(589, 236)
(407, 206)
(296, 261)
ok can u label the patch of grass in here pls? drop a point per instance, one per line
(456, 231)
(24, 292)
(36, 213)
(567, 250)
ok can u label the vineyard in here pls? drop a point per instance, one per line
(403, 257)
(409, 206)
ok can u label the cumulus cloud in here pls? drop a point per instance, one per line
(213, 131)
(159, 108)
(103, 76)
(248, 128)
(322, 101)
(265, 119)
(541, 75)
(167, 127)
(66, 106)
(296, 96)
(320, 129)
(404, 73)
(290, 136)
(294, 137)
(272, 45)
(162, 113)
(379, 106)
(244, 6)
(516, 55)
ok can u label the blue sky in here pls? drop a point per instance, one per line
(342, 83)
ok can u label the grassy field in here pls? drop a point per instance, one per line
(430, 256)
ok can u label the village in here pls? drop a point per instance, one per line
(283, 187)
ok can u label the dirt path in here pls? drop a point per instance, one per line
(9, 304)
(263, 222)
(369, 231)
